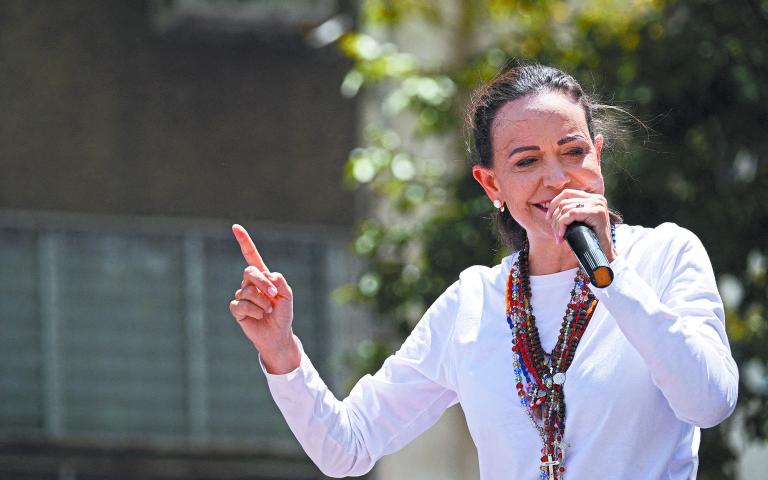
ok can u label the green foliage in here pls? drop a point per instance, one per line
(693, 68)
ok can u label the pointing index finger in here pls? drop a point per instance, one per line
(248, 248)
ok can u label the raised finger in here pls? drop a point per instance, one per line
(248, 248)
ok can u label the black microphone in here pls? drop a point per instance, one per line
(584, 243)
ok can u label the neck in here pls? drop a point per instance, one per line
(545, 256)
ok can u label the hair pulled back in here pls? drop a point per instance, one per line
(514, 83)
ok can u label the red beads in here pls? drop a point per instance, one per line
(542, 393)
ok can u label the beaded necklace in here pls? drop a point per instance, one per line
(541, 394)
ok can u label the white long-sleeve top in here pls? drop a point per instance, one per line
(653, 366)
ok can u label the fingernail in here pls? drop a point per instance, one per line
(272, 291)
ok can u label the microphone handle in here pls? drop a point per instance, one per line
(584, 243)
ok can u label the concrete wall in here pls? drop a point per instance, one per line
(108, 121)
(102, 114)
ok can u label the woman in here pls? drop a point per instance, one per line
(609, 383)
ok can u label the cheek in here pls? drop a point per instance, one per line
(516, 190)
(596, 185)
(518, 195)
(592, 175)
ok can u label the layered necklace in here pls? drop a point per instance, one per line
(540, 376)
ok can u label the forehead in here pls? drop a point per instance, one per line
(539, 116)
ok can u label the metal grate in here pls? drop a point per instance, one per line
(128, 336)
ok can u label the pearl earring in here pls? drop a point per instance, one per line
(497, 203)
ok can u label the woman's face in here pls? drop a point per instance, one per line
(541, 145)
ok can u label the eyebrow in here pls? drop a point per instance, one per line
(562, 141)
(569, 138)
(522, 149)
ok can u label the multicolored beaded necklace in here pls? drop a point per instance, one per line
(541, 394)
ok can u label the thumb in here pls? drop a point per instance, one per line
(278, 280)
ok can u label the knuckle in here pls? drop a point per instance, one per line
(254, 272)
(257, 300)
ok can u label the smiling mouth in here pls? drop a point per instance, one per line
(544, 206)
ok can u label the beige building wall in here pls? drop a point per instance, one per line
(444, 452)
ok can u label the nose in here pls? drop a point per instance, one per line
(555, 176)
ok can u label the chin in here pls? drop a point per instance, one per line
(541, 233)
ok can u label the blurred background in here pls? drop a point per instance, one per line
(133, 133)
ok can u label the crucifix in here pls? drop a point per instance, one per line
(550, 465)
(560, 448)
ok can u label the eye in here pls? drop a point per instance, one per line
(525, 161)
(577, 151)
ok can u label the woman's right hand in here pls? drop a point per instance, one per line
(263, 307)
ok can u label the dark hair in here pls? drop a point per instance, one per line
(514, 83)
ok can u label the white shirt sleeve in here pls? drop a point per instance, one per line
(384, 412)
(678, 328)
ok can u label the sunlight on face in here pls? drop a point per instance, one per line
(541, 145)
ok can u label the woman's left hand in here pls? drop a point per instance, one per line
(578, 206)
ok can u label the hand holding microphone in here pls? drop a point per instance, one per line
(581, 219)
(584, 243)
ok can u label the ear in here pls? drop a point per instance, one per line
(599, 141)
(487, 180)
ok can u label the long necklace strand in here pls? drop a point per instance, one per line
(540, 377)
